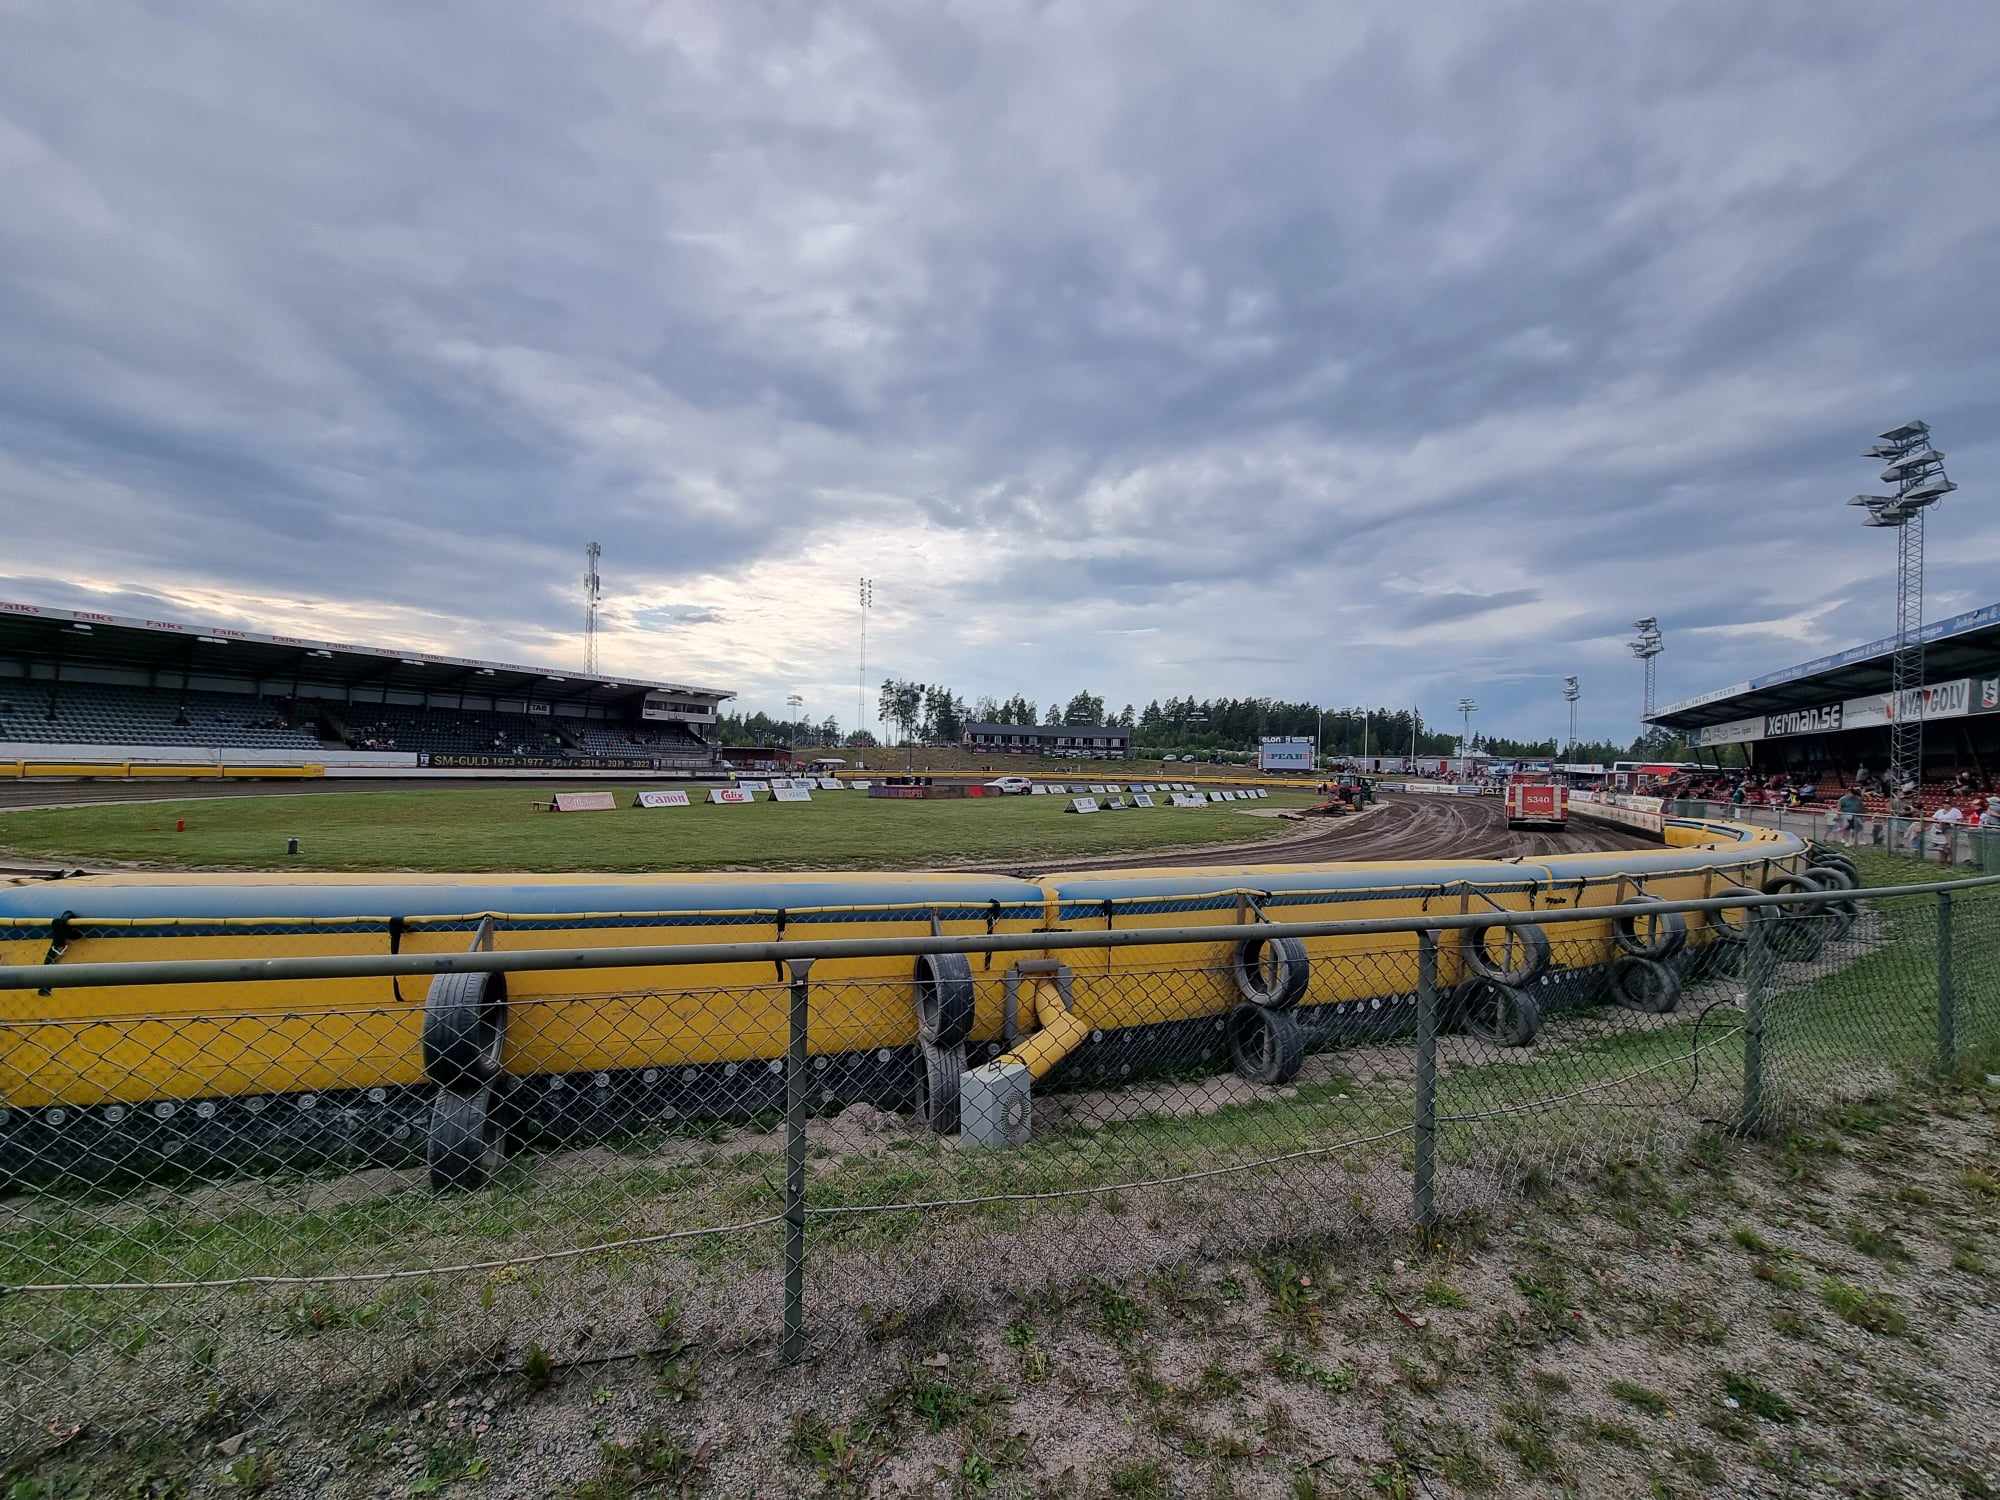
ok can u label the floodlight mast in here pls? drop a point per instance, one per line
(593, 595)
(1572, 690)
(1647, 645)
(1467, 708)
(1917, 470)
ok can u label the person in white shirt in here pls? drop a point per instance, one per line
(1943, 826)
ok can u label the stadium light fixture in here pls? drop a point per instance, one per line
(555, 679)
(411, 661)
(78, 625)
(1572, 691)
(211, 640)
(866, 595)
(1916, 468)
(323, 655)
(1647, 645)
(1467, 708)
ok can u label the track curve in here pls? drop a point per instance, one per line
(1401, 828)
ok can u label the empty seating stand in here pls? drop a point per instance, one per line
(82, 713)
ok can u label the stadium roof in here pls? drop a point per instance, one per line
(86, 638)
(1959, 646)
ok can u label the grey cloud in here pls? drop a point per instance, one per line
(1200, 330)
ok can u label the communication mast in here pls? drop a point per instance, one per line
(593, 592)
(1647, 645)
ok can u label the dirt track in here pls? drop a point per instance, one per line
(1400, 828)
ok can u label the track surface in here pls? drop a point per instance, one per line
(1401, 828)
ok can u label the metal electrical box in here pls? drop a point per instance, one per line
(996, 1105)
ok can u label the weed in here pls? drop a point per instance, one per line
(1756, 1398)
(537, 1369)
(1785, 1278)
(1142, 1480)
(1551, 1381)
(446, 1463)
(1877, 1244)
(1701, 1463)
(1117, 1314)
(1216, 1382)
(1618, 1434)
(1288, 1365)
(1966, 1258)
(1981, 1183)
(1438, 1293)
(1751, 1240)
(1876, 1312)
(250, 1473)
(1641, 1398)
(1532, 1448)
(1019, 1335)
(656, 1462)
(938, 1403)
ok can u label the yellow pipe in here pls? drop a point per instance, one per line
(1059, 1033)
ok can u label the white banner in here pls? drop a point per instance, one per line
(829, 783)
(1082, 804)
(661, 799)
(790, 794)
(1735, 732)
(1140, 799)
(729, 796)
(1057, 789)
(861, 786)
(1190, 799)
(753, 786)
(1038, 790)
(583, 802)
(1285, 755)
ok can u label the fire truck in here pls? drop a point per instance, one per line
(1535, 801)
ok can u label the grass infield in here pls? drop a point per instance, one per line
(499, 829)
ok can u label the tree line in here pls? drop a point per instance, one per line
(933, 714)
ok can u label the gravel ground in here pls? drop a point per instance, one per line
(1811, 1315)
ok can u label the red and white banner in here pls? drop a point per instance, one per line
(661, 799)
(583, 802)
(729, 796)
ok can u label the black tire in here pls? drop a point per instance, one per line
(1265, 1044)
(1527, 948)
(1800, 931)
(1272, 971)
(1827, 854)
(1645, 985)
(1495, 1012)
(1736, 933)
(1841, 914)
(1668, 934)
(465, 1024)
(464, 1145)
(944, 999)
(938, 1072)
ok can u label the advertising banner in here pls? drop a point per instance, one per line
(790, 794)
(1824, 719)
(1985, 696)
(1057, 789)
(1038, 790)
(1141, 799)
(583, 802)
(1098, 790)
(661, 799)
(1735, 732)
(1082, 805)
(1286, 754)
(829, 783)
(1190, 799)
(441, 761)
(729, 796)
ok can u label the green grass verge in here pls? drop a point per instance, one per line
(498, 829)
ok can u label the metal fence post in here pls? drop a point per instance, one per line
(1756, 971)
(1425, 1177)
(794, 1346)
(1947, 1015)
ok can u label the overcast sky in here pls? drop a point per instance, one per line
(1361, 352)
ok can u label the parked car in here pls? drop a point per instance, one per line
(1009, 786)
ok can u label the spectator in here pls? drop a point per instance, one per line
(1944, 828)
(1847, 814)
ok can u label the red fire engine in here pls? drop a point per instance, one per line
(1535, 801)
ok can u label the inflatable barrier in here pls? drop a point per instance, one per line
(370, 1068)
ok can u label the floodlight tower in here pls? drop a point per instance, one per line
(1466, 708)
(1572, 690)
(593, 592)
(798, 707)
(1647, 645)
(1916, 469)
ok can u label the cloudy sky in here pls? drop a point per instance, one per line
(1363, 351)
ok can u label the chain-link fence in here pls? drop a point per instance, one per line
(203, 1219)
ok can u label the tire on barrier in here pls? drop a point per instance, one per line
(1840, 859)
(1736, 932)
(1644, 984)
(1527, 946)
(1495, 1012)
(938, 1072)
(1265, 1044)
(944, 999)
(1844, 913)
(1797, 935)
(465, 1025)
(1667, 937)
(1272, 972)
(464, 1145)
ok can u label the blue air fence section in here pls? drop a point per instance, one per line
(799, 1178)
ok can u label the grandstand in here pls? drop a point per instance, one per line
(88, 686)
(1823, 725)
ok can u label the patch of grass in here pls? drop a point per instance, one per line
(656, 1462)
(1877, 1312)
(1527, 1436)
(842, 1456)
(1980, 1183)
(492, 829)
(1751, 1240)
(1144, 1479)
(1641, 1398)
(1618, 1434)
(446, 1462)
(1554, 1382)
(1286, 1364)
(1701, 1463)
(1877, 1244)
(1966, 1257)
(1117, 1314)
(1438, 1293)
(1786, 1278)
(1757, 1398)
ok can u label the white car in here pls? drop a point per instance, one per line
(1009, 786)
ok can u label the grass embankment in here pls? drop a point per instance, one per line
(498, 829)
